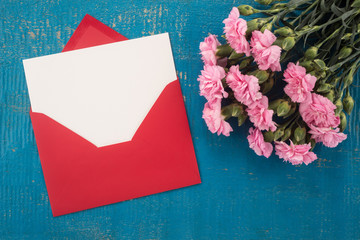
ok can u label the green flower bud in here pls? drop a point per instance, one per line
(335, 81)
(252, 25)
(320, 64)
(307, 65)
(348, 103)
(274, 104)
(323, 74)
(348, 80)
(223, 50)
(242, 118)
(261, 75)
(355, 4)
(347, 36)
(339, 106)
(279, 41)
(255, 24)
(292, 110)
(311, 53)
(284, 31)
(267, 85)
(244, 63)
(268, 136)
(287, 134)
(345, 52)
(299, 134)
(247, 10)
(330, 95)
(232, 110)
(288, 43)
(283, 108)
(313, 144)
(278, 133)
(267, 26)
(343, 122)
(265, 2)
(235, 56)
(324, 88)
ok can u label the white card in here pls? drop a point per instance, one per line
(102, 93)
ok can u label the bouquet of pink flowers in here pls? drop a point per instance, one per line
(288, 73)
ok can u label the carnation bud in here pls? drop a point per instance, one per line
(278, 133)
(284, 31)
(345, 52)
(235, 56)
(286, 135)
(324, 88)
(268, 136)
(348, 103)
(313, 144)
(252, 25)
(247, 10)
(242, 118)
(300, 133)
(288, 43)
(265, 2)
(339, 106)
(267, 26)
(232, 110)
(356, 4)
(261, 75)
(274, 104)
(244, 63)
(279, 41)
(283, 108)
(335, 81)
(343, 122)
(311, 53)
(307, 65)
(330, 95)
(348, 80)
(347, 36)
(292, 110)
(255, 24)
(320, 64)
(223, 50)
(267, 85)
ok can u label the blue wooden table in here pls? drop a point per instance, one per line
(242, 196)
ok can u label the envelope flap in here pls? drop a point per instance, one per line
(102, 93)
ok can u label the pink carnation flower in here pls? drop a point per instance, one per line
(260, 115)
(235, 31)
(299, 84)
(257, 143)
(328, 136)
(318, 111)
(246, 88)
(208, 50)
(265, 54)
(296, 154)
(214, 120)
(210, 82)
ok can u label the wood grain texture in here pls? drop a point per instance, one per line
(242, 195)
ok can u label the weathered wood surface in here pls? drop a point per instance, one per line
(242, 196)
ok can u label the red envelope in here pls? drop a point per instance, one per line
(79, 175)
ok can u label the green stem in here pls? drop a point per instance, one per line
(304, 12)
